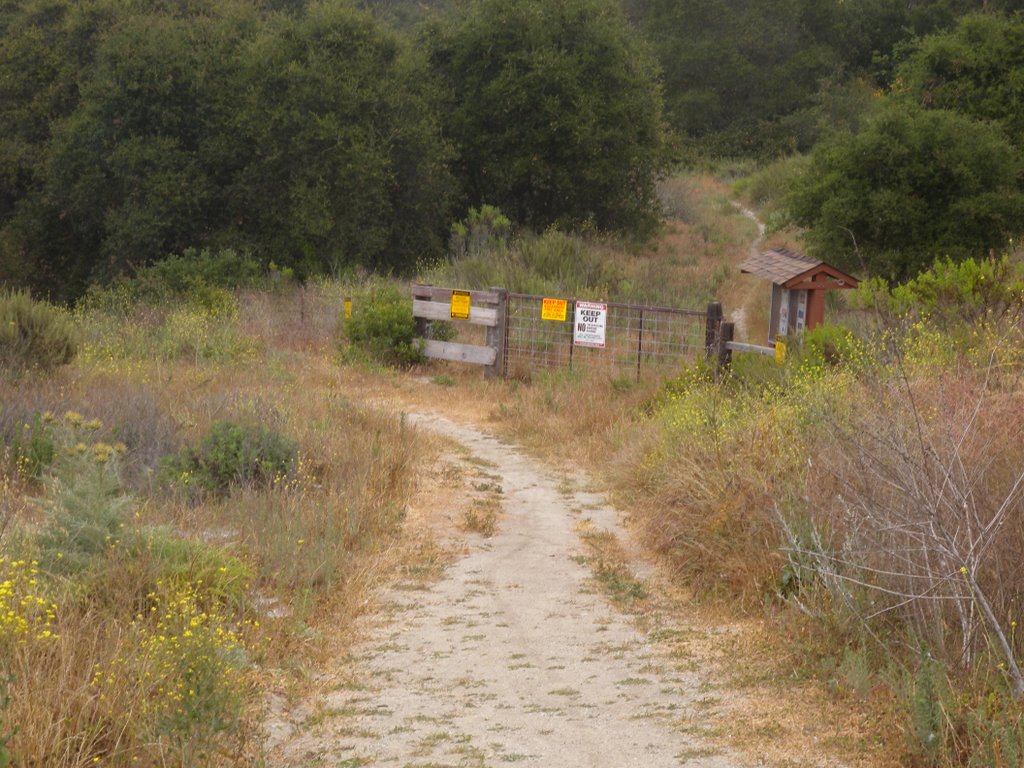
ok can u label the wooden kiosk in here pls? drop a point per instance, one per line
(798, 289)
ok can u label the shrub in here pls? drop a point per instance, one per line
(203, 278)
(180, 562)
(552, 263)
(187, 664)
(231, 454)
(484, 229)
(966, 293)
(910, 185)
(31, 446)
(179, 275)
(86, 506)
(383, 327)
(203, 332)
(33, 334)
(828, 346)
(111, 620)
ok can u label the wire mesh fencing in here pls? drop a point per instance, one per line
(637, 339)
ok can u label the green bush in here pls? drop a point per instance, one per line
(31, 447)
(963, 293)
(204, 278)
(911, 185)
(87, 528)
(179, 274)
(765, 187)
(178, 563)
(828, 346)
(33, 334)
(231, 454)
(485, 229)
(86, 508)
(383, 327)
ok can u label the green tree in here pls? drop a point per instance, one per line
(130, 174)
(349, 166)
(976, 69)
(47, 49)
(911, 187)
(869, 34)
(305, 136)
(733, 68)
(745, 76)
(555, 110)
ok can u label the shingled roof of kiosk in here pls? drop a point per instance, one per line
(795, 271)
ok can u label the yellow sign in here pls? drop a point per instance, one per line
(780, 352)
(460, 305)
(553, 309)
(348, 309)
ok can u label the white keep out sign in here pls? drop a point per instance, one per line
(590, 324)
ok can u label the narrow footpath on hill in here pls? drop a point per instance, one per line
(738, 315)
(517, 654)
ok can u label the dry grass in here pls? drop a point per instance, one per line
(924, 500)
(686, 266)
(313, 544)
(707, 471)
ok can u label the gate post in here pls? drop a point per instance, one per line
(423, 329)
(724, 353)
(496, 337)
(714, 320)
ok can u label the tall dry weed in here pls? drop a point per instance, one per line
(297, 553)
(927, 522)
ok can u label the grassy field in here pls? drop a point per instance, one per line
(866, 497)
(188, 505)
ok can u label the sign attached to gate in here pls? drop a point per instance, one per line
(460, 305)
(590, 323)
(553, 309)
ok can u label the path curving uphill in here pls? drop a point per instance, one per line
(738, 315)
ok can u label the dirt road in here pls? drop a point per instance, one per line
(514, 656)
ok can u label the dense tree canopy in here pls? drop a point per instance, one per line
(731, 68)
(750, 76)
(912, 186)
(347, 165)
(310, 139)
(977, 69)
(555, 110)
(311, 133)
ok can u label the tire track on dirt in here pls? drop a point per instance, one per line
(512, 657)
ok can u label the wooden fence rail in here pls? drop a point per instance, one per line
(486, 308)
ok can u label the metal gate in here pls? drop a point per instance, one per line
(636, 338)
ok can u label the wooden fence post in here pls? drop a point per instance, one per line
(423, 329)
(714, 319)
(496, 337)
(724, 353)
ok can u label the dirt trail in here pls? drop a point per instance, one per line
(739, 315)
(513, 657)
